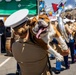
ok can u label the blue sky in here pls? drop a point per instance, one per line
(53, 1)
(49, 2)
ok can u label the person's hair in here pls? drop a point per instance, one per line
(20, 30)
(69, 16)
(8, 29)
(1, 23)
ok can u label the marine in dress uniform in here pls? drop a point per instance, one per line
(31, 57)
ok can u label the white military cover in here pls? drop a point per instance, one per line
(17, 18)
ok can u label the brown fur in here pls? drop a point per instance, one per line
(41, 42)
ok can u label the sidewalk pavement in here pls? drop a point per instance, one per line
(8, 66)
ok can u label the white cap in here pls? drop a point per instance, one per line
(17, 18)
(65, 20)
(68, 20)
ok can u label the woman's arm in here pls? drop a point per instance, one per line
(69, 31)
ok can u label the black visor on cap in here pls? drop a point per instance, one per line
(20, 25)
